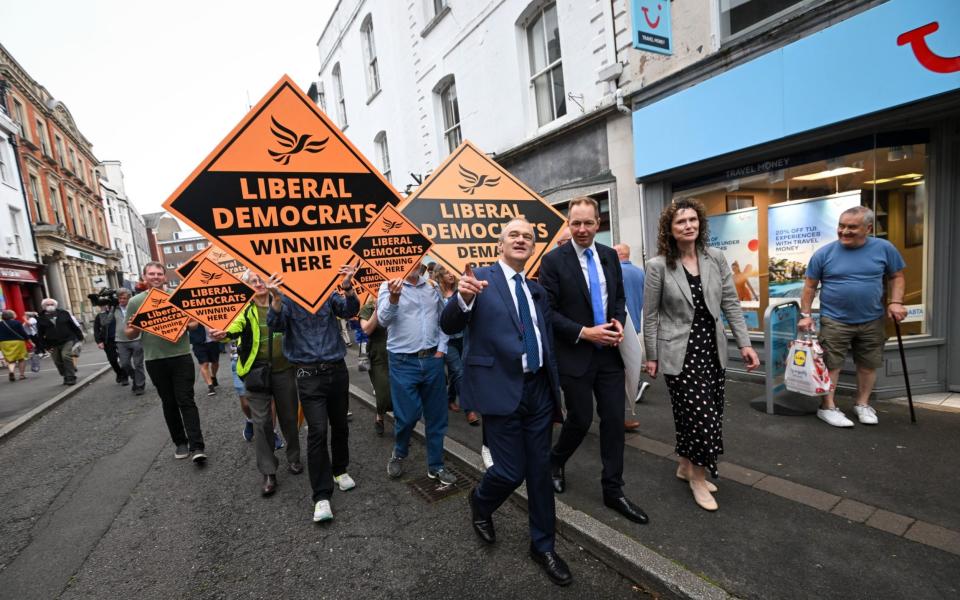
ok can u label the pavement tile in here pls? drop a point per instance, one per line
(945, 539)
(743, 475)
(853, 510)
(797, 492)
(952, 402)
(890, 522)
(650, 446)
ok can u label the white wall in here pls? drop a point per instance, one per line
(14, 216)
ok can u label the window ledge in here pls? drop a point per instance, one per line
(433, 22)
(374, 95)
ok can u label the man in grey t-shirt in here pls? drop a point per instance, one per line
(129, 349)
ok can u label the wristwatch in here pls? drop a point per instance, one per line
(806, 315)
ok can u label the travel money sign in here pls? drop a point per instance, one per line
(285, 192)
(392, 245)
(463, 204)
(211, 295)
(157, 316)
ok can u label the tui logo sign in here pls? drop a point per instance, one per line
(917, 38)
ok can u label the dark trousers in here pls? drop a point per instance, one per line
(173, 377)
(453, 359)
(520, 446)
(380, 375)
(324, 397)
(284, 397)
(62, 355)
(110, 349)
(604, 380)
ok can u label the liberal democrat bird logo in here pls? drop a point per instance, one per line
(474, 181)
(155, 302)
(295, 143)
(206, 277)
(389, 225)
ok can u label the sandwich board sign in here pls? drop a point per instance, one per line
(160, 318)
(285, 192)
(392, 245)
(211, 295)
(466, 200)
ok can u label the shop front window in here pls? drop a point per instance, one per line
(770, 216)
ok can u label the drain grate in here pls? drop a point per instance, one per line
(431, 491)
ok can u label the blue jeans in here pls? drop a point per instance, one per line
(417, 387)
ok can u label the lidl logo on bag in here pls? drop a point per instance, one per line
(800, 358)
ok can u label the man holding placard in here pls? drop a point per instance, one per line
(170, 368)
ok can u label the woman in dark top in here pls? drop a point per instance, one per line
(686, 288)
(13, 344)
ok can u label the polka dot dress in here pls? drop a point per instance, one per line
(697, 392)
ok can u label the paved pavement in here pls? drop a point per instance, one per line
(20, 397)
(806, 510)
(96, 506)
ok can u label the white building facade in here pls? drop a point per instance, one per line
(533, 84)
(123, 220)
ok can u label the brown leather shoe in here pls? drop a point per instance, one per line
(473, 418)
(631, 425)
(269, 485)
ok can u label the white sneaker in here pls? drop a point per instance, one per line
(866, 414)
(322, 512)
(643, 387)
(834, 416)
(345, 482)
(487, 457)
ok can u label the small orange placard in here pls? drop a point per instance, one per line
(285, 192)
(158, 317)
(463, 204)
(211, 295)
(392, 245)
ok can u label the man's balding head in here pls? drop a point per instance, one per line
(623, 251)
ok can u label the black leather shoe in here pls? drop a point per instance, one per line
(628, 509)
(483, 527)
(554, 566)
(559, 479)
(269, 485)
(295, 468)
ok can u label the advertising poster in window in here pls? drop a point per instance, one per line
(736, 235)
(796, 230)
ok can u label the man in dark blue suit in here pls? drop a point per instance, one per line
(510, 378)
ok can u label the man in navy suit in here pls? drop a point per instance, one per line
(510, 378)
(584, 282)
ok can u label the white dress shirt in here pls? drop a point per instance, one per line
(508, 272)
(586, 276)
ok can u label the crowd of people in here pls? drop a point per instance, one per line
(515, 355)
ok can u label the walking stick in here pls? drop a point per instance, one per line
(906, 375)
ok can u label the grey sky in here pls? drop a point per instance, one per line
(158, 85)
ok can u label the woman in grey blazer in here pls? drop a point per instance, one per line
(687, 286)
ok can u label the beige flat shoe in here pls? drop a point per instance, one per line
(710, 487)
(704, 499)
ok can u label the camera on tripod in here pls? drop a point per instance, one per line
(105, 297)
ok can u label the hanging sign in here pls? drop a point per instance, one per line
(651, 26)
(160, 318)
(285, 192)
(464, 203)
(211, 295)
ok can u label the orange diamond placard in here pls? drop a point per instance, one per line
(463, 204)
(221, 258)
(285, 192)
(392, 245)
(157, 316)
(369, 279)
(211, 295)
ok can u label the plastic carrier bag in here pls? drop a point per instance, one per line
(806, 373)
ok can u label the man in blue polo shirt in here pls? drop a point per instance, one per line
(850, 272)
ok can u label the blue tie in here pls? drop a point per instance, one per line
(530, 347)
(596, 299)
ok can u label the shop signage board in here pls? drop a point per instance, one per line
(463, 204)
(285, 192)
(211, 295)
(652, 26)
(157, 316)
(796, 230)
(392, 245)
(736, 234)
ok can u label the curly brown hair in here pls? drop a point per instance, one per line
(666, 243)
